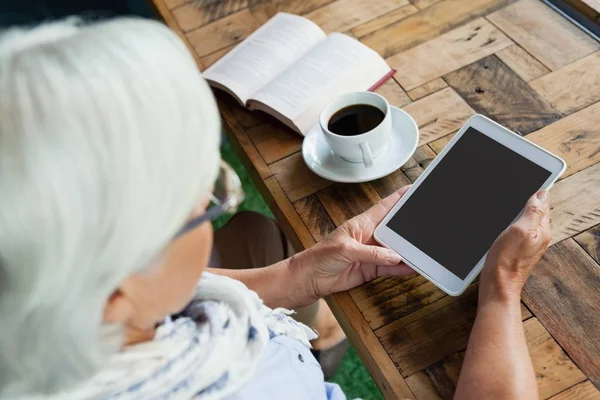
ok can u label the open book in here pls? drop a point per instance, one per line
(290, 69)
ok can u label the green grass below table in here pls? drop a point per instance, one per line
(352, 376)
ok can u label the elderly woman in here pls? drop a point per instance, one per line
(109, 156)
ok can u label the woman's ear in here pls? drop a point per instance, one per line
(118, 308)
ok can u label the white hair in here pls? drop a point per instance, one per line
(109, 137)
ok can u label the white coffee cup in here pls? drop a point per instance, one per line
(364, 147)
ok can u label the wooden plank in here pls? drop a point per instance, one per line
(554, 370)
(382, 369)
(399, 301)
(572, 87)
(582, 391)
(393, 93)
(171, 4)
(590, 241)
(193, 14)
(431, 333)
(268, 8)
(453, 50)
(439, 114)
(562, 292)
(545, 34)
(375, 288)
(212, 58)
(437, 381)
(274, 142)
(315, 217)
(424, 155)
(289, 220)
(296, 180)
(575, 138)
(438, 145)
(390, 183)
(575, 204)
(384, 20)
(344, 201)
(427, 24)
(423, 4)
(522, 63)
(491, 88)
(160, 9)
(240, 141)
(342, 15)
(427, 88)
(222, 33)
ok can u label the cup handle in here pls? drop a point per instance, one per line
(367, 156)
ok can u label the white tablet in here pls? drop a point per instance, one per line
(445, 224)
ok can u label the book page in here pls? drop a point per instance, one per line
(265, 54)
(335, 66)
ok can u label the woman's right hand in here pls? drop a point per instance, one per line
(516, 251)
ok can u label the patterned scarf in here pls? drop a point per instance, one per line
(209, 352)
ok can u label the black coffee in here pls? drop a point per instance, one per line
(355, 119)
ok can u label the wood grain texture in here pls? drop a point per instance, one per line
(545, 34)
(453, 50)
(194, 14)
(393, 93)
(562, 292)
(582, 391)
(438, 145)
(374, 288)
(427, 88)
(439, 114)
(427, 24)
(423, 4)
(491, 88)
(554, 370)
(590, 241)
(438, 381)
(209, 59)
(390, 183)
(576, 139)
(384, 373)
(274, 142)
(342, 15)
(344, 201)
(575, 204)
(522, 63)
(432, 332)
(424, 155)
(266, 9)
(291, 223)
(572, 87)
(399, 301)
(240, 141)
(222, 33)
(171, 4)
(296, 180)
(315, 217)
(384, 20)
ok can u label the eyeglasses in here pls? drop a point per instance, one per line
(226, 198)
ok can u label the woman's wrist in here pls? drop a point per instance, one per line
(302, 288)
(497, 286)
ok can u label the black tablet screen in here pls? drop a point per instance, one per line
(471, 196)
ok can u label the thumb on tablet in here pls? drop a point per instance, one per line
(536, 211)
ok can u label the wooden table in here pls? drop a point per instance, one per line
(518, 62)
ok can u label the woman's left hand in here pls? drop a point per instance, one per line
(350, 256)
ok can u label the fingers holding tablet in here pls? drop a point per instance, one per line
(478, 185)
(517, 250)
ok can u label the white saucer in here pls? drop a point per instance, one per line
(325, 163)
